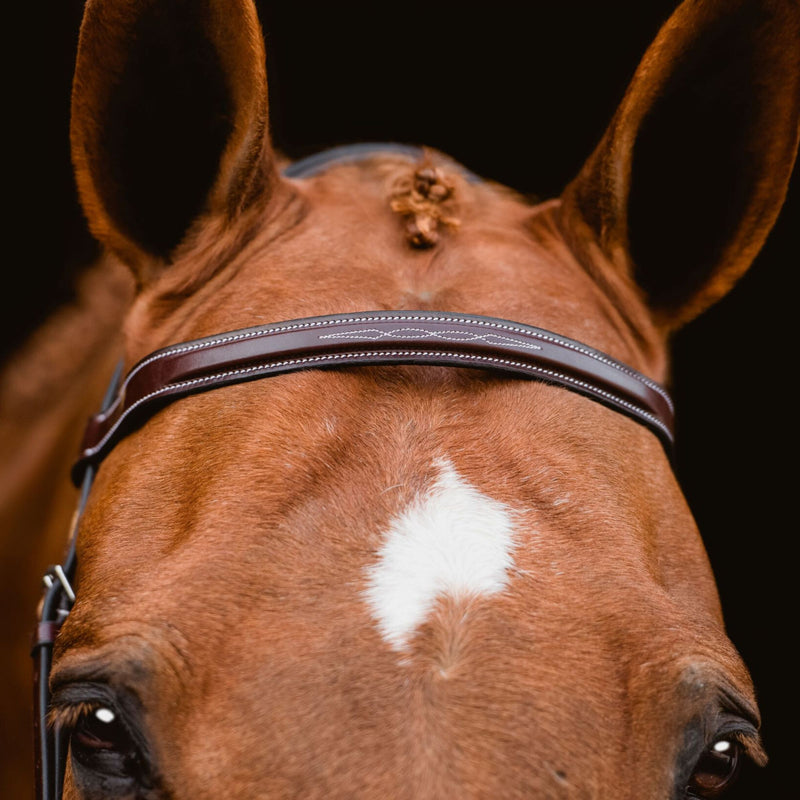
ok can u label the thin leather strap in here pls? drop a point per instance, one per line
(370, 339)
(57, 600)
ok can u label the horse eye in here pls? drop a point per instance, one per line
(716, 770)
(100, 742)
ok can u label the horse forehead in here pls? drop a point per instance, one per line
(448, 594)
(393, 532)
(430, 613)
(424, 683)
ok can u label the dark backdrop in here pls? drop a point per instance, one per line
(519, 94)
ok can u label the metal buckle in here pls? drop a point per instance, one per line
(57, 571)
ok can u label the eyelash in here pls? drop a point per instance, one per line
(67, 717)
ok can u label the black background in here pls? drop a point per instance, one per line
(519, 94)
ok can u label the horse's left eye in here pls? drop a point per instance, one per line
(716, 770)
(101, 743)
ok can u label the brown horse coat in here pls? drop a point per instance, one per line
(232, 603)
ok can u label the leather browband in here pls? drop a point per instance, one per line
(369, 339)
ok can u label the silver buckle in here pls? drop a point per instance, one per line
(58, 571)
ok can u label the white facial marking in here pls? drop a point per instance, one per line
(453, 540)
(105, 715)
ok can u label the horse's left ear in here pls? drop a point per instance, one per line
(690, 176)
(169, 121)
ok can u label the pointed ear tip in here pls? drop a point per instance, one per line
(140, 190)
(597, 202)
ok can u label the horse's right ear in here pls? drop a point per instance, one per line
(169, 121)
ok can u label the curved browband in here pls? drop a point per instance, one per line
(373, 338)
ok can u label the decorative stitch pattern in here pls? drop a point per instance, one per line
(320, 323)
(375, 335)
(332, 358)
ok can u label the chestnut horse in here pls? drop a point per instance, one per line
(390, 581)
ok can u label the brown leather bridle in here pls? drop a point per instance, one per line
(376, 338)
(370, 339)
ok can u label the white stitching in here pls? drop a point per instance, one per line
(424, 333)
(89, 452)
(282, 328)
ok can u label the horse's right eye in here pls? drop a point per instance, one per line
(100, 742)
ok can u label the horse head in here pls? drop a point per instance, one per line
(407, 581)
